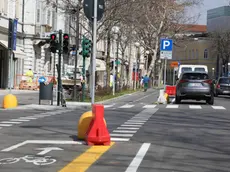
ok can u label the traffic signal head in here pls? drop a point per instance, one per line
(65, 43)
(53, 43)
(86, 47)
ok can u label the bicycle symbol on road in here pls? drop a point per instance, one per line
(46, 160)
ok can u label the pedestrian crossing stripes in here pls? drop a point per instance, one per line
(124, 132)
(20, 120)
(169, 106)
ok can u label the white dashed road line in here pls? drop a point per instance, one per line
(195, 107)
(126, 106)
(5, 125)
(127, 128)
(123, 131)
(121, 135)
(138, 158)
(10, 122)
(20, 120)
(218, 107)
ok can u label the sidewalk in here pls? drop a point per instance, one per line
(4, 92)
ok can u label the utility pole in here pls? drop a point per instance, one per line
(59, 67)
(117, 62)
(76, 51)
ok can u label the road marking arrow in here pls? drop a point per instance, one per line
(47, 150)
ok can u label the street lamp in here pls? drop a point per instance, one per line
(137, 45)
(115, 30)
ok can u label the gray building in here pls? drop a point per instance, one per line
(218, 19)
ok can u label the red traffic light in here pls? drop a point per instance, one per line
(53, 37)
(66, 36)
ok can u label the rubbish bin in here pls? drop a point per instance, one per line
(46, 92)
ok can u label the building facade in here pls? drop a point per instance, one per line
(218, 19)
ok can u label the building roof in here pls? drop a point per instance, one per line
(194, 28)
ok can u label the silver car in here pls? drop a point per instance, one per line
(195, 86)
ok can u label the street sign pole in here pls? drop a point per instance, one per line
(94, 51)
(165, 73)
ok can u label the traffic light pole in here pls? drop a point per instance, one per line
(59, 67)
(83, 84)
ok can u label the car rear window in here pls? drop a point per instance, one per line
(199, 69)
(224, 80)
(186, 69)
(195, 76)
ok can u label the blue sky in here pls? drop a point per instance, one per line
(209, 4)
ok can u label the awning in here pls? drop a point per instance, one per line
(18, 53)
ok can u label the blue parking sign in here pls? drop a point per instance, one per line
(15, 34)
(166, 45)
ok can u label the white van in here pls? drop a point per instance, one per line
(191, 68)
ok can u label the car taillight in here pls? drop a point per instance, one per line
(183, 81)
(208, 81)
(218, 86)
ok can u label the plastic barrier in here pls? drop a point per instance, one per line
(98, 133)
(170, 90)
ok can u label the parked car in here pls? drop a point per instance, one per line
(196, 86)
(222, 86)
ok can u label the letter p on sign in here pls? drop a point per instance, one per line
(166, 44)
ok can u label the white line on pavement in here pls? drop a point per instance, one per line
(144, 97)
(127, 128)
(5, 125)
(137, 120)
(120, 139)
(123, 131)
(172, 106)
(58, 142)
(126, 125)
(195, 107)
(121, 135)
(126, 106)
(27, 118)
(138, 158)
(20, 120)
(138, 123)
(10, 122)
(149, 106)
(218, 107)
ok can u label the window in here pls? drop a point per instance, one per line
(48, 17)
(195, 76)
(205, 54)
(186, 69)
(197, 54)
(3, 6)
(193, 54)
(38, 16)
(199, 69)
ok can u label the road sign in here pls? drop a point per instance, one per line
(15, 34)
(89, 6)
(174, 64)
(166, 48)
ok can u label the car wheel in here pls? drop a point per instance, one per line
(178, 100)
(210, 100)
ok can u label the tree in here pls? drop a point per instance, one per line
(155, 19)
(221, 46)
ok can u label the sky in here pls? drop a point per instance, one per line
(209, 4)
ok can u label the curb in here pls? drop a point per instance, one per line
(115, 98)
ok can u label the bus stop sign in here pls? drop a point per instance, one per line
(88, 6)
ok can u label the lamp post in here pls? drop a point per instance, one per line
(213, 73)
(147, 58)
(115, 30)
(137, 45)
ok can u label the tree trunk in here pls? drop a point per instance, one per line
(130, 67)
(108, 60)
(122, 69)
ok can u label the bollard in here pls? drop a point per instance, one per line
(161, 99)
(10, 101)
(83, 124)
(98, 133)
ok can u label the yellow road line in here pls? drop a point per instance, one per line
(85, 160)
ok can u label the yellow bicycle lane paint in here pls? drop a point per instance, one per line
(86, 159)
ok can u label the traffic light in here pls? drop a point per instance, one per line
(86, 47)
(53, 43)
(65, 43)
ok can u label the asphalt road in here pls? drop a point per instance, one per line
(192, 136)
